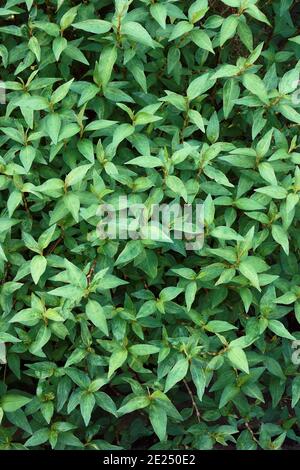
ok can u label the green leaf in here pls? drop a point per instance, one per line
(217, 175)
(87, 403)
(116, 360)
(39, 437)
(52, 126)
(180, 155)
(253, 11)
(248, 269)
(93, 26)
(256, 86)
(106, 403)
(134, 404)
(176, 374)
(231, 91)
(132, 249)
(275, 192)
(200, 85)
(169, 293)
(41, 339)
(68, 18)
(86, 148)
(61, 92)
(158, 419)
(226, 233)
(181, 28)
(190, 294)
(13, 202)
(245, 34)
(219, 326)
(145, 162)
(177, 186)
(267, 173)
(197, 10)
(228, 28)
(75, 275)
(199, 378)
(295, 391)
(159, 13)
(291, 201)
(289, 82)
(202, 40)
(280, 236)
(76, 175)
(27, 156)
(295, 39)
(279, 329)
(11, 402)
(77, 356)
(72, 203)
(75, 54)
(34, 46)
(68, 292)
(96, 315)
(287, 298)
(196, 118)
(136, 32)
(143, 349)
(58, 46)
(229, 392)
(107, 61)
(290, 113)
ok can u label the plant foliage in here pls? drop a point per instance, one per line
(121, 344)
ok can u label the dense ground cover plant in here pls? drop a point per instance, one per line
(160, 101)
